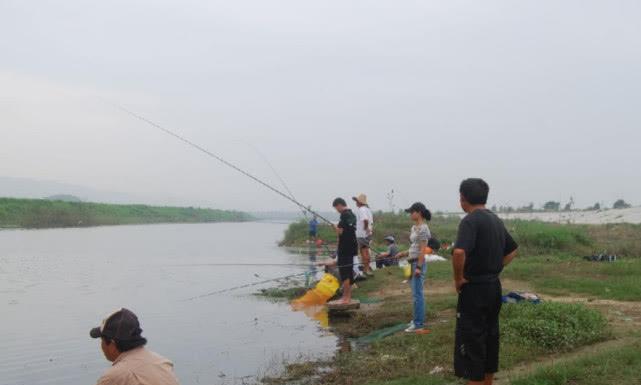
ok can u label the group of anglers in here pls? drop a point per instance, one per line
(482, 249)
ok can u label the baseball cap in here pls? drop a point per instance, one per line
(121, 325)
(417, 207)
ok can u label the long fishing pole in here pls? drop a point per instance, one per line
(223, 161)
(280, 178)
(244, 286)
(240, 265)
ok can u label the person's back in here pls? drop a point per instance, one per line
(140, 367)
(347, 239)
(313, 225)
(483, 247)
(122, 343)
(485, 240)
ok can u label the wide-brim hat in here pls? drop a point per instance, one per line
(361, 198)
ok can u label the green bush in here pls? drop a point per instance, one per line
(554, 327)
(539, 237)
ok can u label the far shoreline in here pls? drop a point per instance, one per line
(30, 214)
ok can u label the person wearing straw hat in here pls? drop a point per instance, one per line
(364, 231)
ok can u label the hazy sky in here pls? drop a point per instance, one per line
(541, 98)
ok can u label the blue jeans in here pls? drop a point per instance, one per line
(416, 283)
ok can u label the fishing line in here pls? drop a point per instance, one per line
(221, 160)
(241, 264)
(244, 286)
(282, 181)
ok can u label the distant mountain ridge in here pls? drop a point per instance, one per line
(64, 198)
(12, 187)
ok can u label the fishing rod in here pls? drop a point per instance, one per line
(223, 161)
(244, 286)
(241, 265)
(280, 178)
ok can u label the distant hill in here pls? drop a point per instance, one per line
(36, 189)
(64, 198)
(42, 213)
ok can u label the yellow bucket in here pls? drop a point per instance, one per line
(324, 290)
(407, 271)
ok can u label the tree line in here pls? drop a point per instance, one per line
(558, 206)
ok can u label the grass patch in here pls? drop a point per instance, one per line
(545, 238)
(554, 327)
(613, 367)
(37, 213)
(564, 275)
(408, 359)
(284, 293)
(416, 381)
(534, 237)
(529, 331)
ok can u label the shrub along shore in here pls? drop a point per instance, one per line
(591, 311)
(534, 238)
(39, 213)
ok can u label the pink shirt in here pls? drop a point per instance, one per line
(140, 367)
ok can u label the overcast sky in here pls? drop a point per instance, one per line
(541, 98)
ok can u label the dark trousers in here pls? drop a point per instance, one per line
(476, 350)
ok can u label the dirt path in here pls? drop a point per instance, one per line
(505, 377)
(623, 316)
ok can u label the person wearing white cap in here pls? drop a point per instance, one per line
(364, 231)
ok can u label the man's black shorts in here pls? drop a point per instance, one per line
(476, 350)
(346, 266)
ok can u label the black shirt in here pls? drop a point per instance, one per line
(347, 240)
(483, 237)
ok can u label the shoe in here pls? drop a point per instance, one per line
(414, 329)
(410, 324)
(369, 274)
(411, 329)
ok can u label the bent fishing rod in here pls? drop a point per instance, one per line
(244, 286)
(221, 160)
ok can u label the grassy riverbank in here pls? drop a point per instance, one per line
(586, 332)
(36, 213)
(535, 238)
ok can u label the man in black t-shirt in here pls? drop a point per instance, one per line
(347, 247)
(483, 248)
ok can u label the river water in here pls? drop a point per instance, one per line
(57, 284)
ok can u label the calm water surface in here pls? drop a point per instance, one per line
(57, 284)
